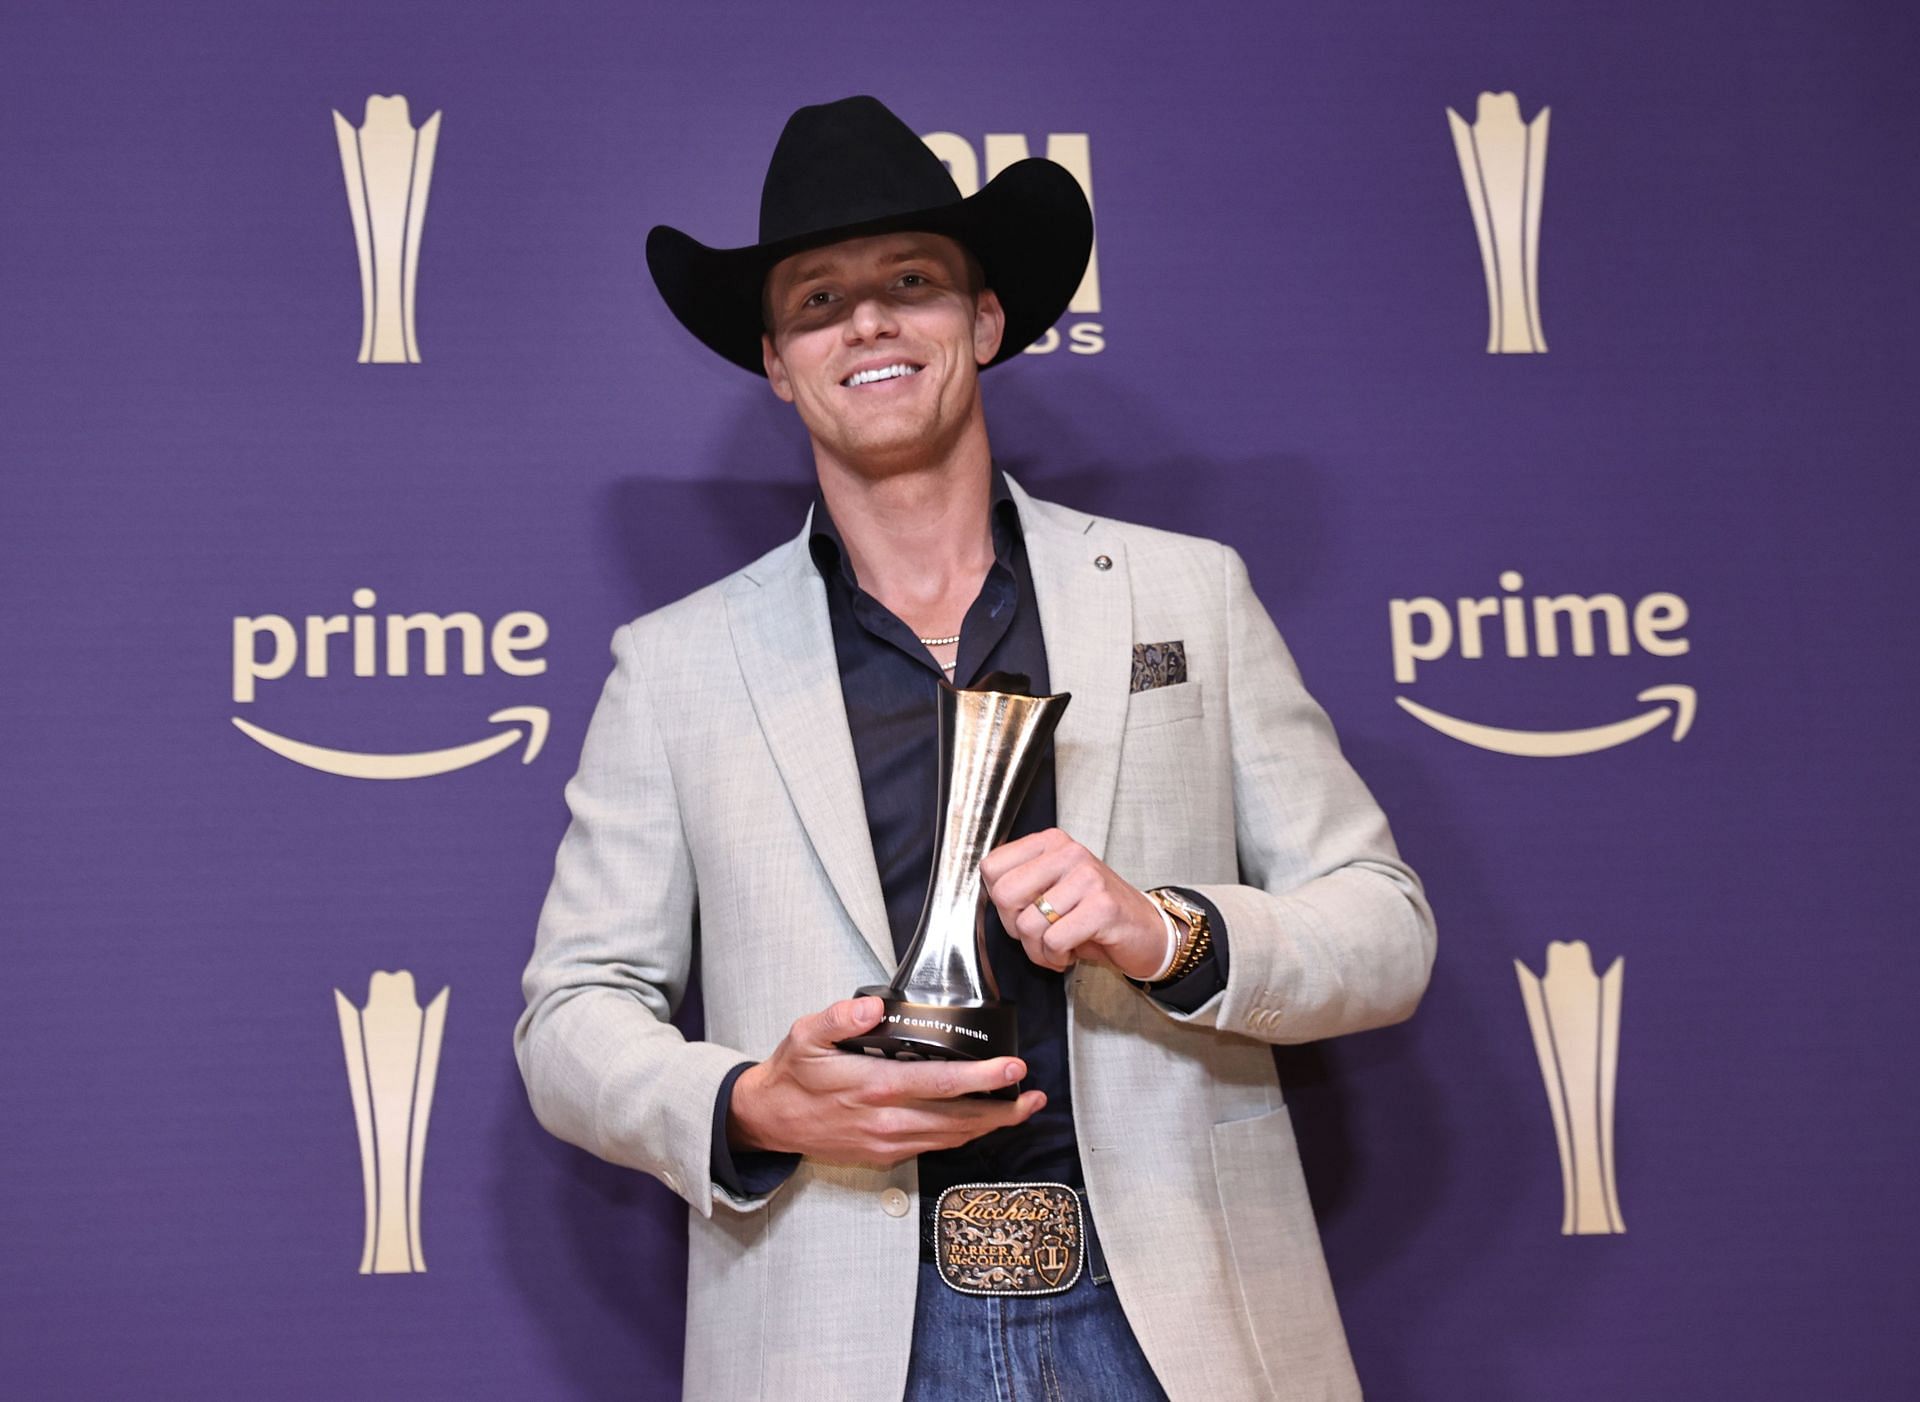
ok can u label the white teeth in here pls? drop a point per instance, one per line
(885, 372)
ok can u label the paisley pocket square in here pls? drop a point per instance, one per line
(1158, 664)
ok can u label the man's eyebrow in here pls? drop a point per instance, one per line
(811, 271)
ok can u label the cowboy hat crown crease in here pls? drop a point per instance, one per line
(850, 162)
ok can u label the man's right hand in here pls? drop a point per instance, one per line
(811, 1098)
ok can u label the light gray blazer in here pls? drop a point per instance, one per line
(717, 794)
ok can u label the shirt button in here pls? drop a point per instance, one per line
(894, 1202)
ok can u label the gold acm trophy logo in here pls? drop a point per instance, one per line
(1080, 331)
(388, 165)
(392, 1047)
(1575, 1017)
(1503, 162)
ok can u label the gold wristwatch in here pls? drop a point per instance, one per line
(1194, 947)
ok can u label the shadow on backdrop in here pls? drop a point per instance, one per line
(575, 1227)
(1405, 1085)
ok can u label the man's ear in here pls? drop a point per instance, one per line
(776, 368)
(989, 326)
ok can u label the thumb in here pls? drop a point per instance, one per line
(847, 1018)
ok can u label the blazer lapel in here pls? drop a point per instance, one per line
(1086, 615)
(784, 641)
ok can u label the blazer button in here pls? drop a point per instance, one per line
(894, 1202)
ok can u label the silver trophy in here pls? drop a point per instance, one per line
(943, 1003)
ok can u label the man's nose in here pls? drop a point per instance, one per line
(871, 318)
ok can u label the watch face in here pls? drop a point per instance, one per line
(1181, 906)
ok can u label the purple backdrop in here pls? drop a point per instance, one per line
(1294, 321)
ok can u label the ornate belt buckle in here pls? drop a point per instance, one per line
(1009, 1238)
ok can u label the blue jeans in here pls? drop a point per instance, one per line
(1037, 1348)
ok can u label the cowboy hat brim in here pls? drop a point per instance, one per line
(1030, 227)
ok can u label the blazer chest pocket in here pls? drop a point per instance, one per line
(1160, 705)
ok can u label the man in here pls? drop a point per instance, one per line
(761, 770)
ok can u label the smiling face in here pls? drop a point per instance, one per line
(878, 342)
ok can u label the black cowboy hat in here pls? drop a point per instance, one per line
(851, 168)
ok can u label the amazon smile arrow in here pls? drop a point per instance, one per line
(1554, 744)
(354, 764)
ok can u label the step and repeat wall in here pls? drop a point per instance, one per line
(1551, 365)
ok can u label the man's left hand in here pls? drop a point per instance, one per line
(1098, 918)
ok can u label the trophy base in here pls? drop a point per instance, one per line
(910, 1031)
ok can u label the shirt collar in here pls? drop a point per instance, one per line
(830, 551)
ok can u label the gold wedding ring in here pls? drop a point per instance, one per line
(1045, 907)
